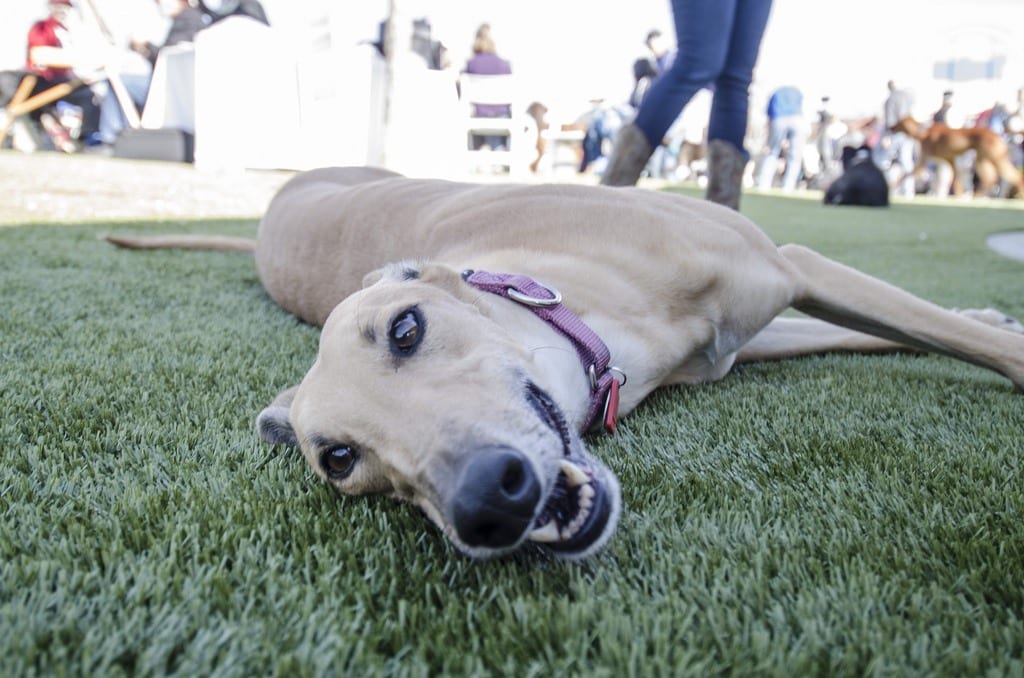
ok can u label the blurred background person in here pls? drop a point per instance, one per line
(900, 145)
(52, 57)
(485, 61)
(787, 131)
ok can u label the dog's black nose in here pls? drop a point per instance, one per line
(495, 497)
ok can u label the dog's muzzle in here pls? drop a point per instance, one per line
(500, 500)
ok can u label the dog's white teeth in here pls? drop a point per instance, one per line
(546, 534)
(586, 496)
(574, 475)
(577, 522)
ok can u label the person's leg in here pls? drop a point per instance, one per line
(732, 97)
(40, 86)
(727, 126)
(702, 30)
(592, 141)
(112, 117)
(766, 173)
(795, 155)
(905, 156)
(85, 99)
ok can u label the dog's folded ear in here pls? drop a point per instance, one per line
(442, 276)
(274, 423)
(435, 274)
(275, 427)
(402, 270)
(373, 277)
(453, 282)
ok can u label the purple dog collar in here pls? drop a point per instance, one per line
(546, 303)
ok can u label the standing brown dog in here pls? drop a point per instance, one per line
(941, 142)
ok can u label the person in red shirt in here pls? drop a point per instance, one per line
(52, 63)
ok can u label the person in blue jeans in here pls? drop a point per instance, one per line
(785, 125)
(718, 42)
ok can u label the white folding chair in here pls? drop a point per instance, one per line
(520, 130)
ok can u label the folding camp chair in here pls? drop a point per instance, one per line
(20, 105)
(23, 104)
(519, 130)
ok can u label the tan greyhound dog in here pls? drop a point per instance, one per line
(472, 333)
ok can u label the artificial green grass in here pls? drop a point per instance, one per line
(832, 515)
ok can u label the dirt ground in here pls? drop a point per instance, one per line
(39, 187)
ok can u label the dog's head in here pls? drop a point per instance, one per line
(854, 155)
(419, 392)
(861, 182)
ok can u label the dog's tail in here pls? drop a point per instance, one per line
(184, 242)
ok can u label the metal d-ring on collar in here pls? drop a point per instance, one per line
(546, 303)
(594, 381)
(527, 300)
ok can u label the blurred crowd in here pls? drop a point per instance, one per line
(797, 145)
(809, 154)
(80, 88)
(794, 144)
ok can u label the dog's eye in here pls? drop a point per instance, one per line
(338, 462)
(406, 331)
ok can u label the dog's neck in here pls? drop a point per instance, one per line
(546, 303)
(910, 127)
(572, 363)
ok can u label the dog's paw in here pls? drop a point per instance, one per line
(991, 316)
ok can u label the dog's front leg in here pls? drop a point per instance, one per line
(838, 294)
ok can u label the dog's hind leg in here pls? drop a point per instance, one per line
(1012, 176)
(987, 175)
(843, 296)
(958, 180)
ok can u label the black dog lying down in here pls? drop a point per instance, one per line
(861, 182)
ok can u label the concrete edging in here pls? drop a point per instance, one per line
(1009, 244)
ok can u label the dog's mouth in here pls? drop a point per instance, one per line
(581, 510)
(575, 517)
